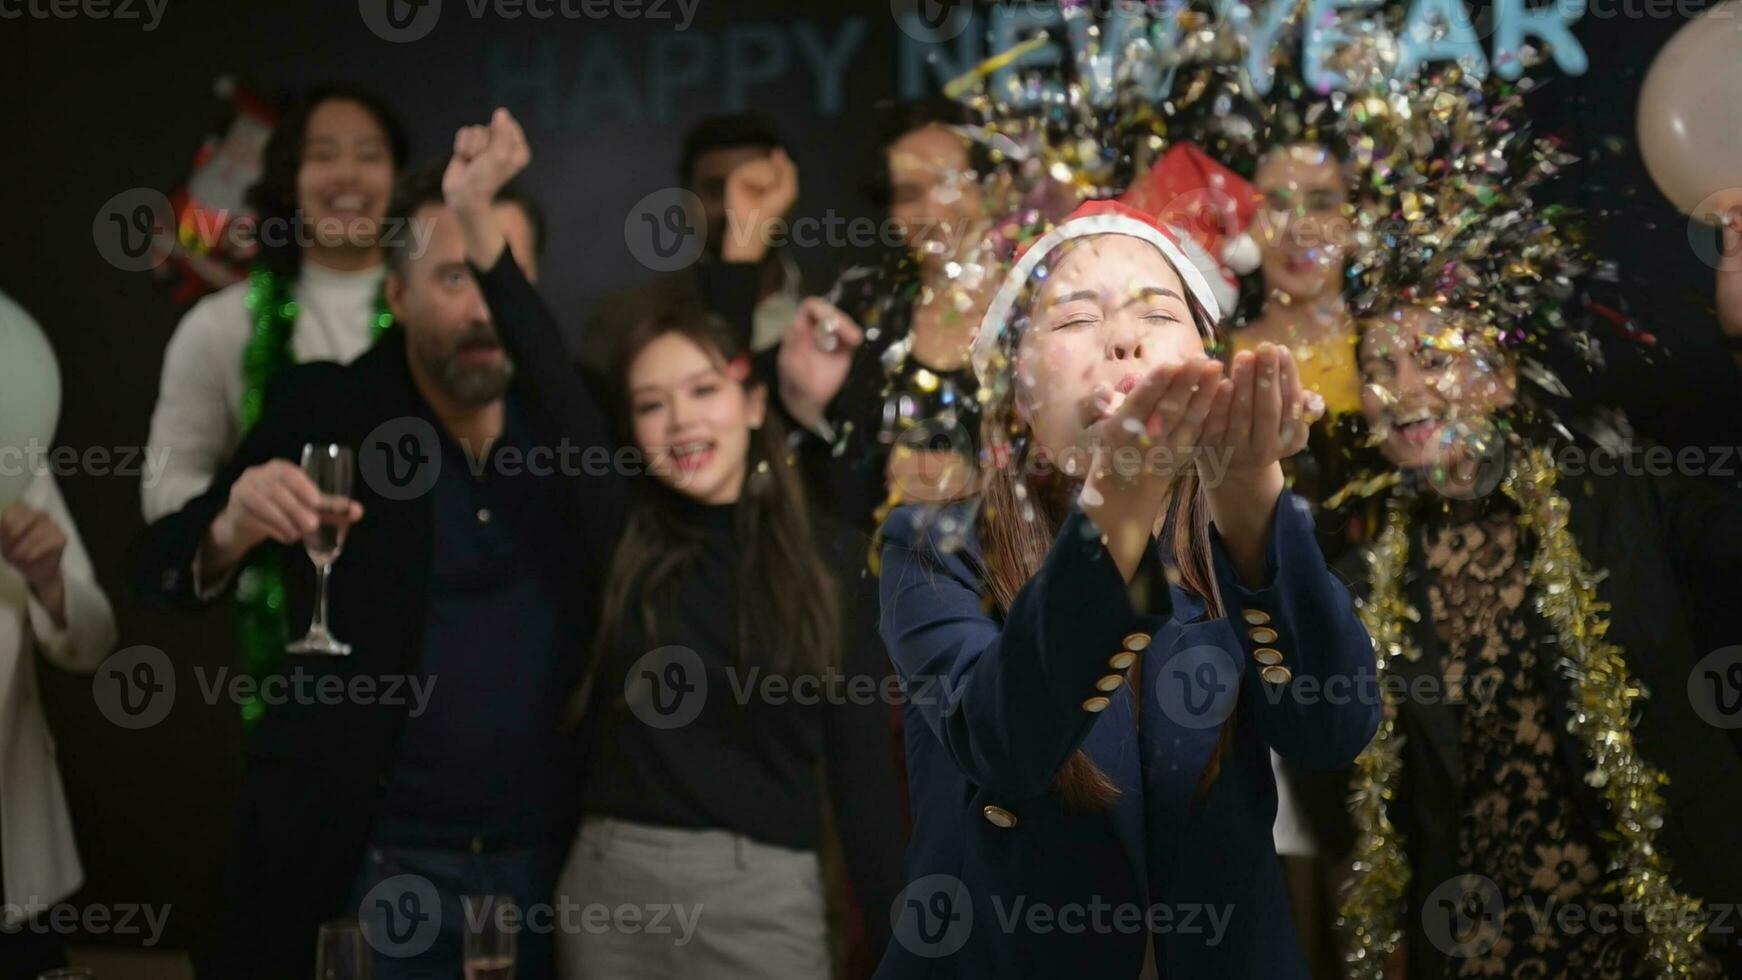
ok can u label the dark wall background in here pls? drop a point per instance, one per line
(93, 108)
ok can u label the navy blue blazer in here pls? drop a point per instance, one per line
(1003, 878)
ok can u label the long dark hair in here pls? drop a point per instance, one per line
(1023, 507)
(273, 196)
(789, 605)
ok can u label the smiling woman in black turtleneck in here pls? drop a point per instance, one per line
(732, 667)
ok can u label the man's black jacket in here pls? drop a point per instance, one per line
(315, 771)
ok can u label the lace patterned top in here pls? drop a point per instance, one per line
(1521, 824)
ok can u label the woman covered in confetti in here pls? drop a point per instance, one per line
(1523, 618)
(1549, 793)
(1102, 648)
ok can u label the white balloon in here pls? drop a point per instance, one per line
(1690, 114)
(29, 398)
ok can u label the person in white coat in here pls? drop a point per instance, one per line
(50, 604)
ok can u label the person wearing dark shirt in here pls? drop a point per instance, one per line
(1545, 601)
(731, 663)
(877, 376)
(437, 772)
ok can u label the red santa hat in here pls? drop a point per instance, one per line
(1213, 205)
(1091, 218)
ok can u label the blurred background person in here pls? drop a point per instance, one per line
(877, 376)
(52, 611)
(466, 592)
(1303, 239)
(741, 170)
(1507, 772)
(315, 293)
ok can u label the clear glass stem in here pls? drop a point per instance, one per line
(319, 627)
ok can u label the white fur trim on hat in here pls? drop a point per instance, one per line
(997, 318)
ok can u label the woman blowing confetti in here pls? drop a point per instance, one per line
(1102, 649)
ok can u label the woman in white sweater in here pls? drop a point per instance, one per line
(314, 293)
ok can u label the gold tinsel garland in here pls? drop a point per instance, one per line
(1564, 588)
(1374, 898)
(1602, 719)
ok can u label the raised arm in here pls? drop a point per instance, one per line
(1322, 708)
(485, 159)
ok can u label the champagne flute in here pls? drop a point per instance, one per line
(489, 947)
(340, 953)
(330, 467)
